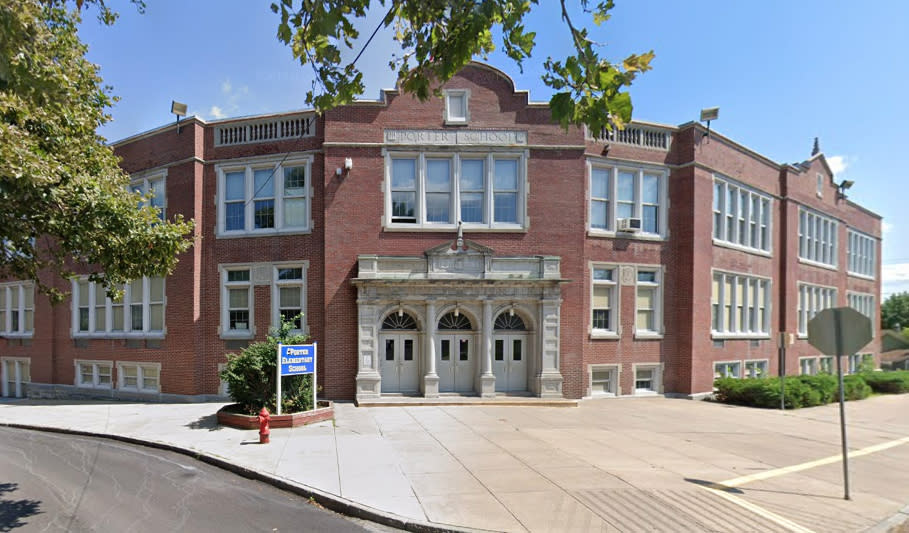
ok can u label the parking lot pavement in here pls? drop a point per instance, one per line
(608, 465)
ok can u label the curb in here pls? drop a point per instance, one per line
(329, 501)
(885, 525)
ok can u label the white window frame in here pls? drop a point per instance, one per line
(615, 380)
(751, 306)
(861, 254)
(225, 331)
(106, 330)
(457, 93)
(25, 290)
(489, 157)
(863, 303)
(657, 331)
(746, 227)
(18, 363)
(855, 362)
(656, 379)
(140, 183)
(248, 168)
(818, 239)
(276, 286)
(820, 185)
(613, 330)
(812, 364)
(727, 369)
(755, 368)
(812, 299)
(826, 364)
(141, 369)
(96, 365)
(638, 171)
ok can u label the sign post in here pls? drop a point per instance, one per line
(841, 331)
(295, 360)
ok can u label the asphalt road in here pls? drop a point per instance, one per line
(57, 482)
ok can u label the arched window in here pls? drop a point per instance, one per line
(451, 321)
(399, 321)
(509, 322)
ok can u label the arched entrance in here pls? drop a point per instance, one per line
(399, 353)
(456, 358)
(509, 352)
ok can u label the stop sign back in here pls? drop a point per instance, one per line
(839, 331)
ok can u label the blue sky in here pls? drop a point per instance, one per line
(782, 73)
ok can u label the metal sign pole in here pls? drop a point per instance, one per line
(278, 395)
(839, 371)
(315, 370)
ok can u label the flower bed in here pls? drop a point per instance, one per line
(226, 417)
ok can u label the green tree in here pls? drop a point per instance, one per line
(66, 202)
(895, 311)
(438, 37)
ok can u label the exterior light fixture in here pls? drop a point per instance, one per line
(179, 109)
(842, 187)
(708, 114)
(511, 310)
(457, 311)
(400, 310)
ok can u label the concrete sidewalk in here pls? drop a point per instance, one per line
(607, 465)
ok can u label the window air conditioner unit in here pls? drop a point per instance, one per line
(630, 225)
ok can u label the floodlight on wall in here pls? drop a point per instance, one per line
(400, 310)
(179, 109)
(457, 311)
(708, 114)
(511, 309)
(842, 187)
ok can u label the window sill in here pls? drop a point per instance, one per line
(261, 233)
(860, 276)
(648, 336)
(740, 248)
(106, 335)
(609, 234)
(95, 387)
(448, 228)
(28, 335)
(739, 336)
(604, 335)
(138, 390)
(243, 335)
(645, 392)
(825, 266)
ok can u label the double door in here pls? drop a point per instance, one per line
(400, 366)
(509, 362)
(456, 363)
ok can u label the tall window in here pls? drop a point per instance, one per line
(289, 295)
(139, 313)
(152, 187)
(863, 303)
(436, 190)
(740, 305)
(604, 318)
(648, 302)
(812, 300)
(861, 254)
(17, 309)
(820, 185)
(264, 198)
(741, 216)
(622, 193)
(817, 238)
(237, 298)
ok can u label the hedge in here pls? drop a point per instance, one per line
(801, 391)
(896, 382)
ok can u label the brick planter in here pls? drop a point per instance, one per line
(240, 421)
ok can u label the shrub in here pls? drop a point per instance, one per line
(801, 391)
(888, 382)
(855, 388)
(251, 375)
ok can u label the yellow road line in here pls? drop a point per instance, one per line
(760, 511)
(811, 464)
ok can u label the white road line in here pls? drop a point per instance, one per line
(760, 511)
(736, 482)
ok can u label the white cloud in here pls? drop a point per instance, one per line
(226, 87)
(216, 112)
(837, 164)
(895, 278)
(886, 227)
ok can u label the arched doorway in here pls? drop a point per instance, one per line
(509, 352)
(456, 358)
(399, 353)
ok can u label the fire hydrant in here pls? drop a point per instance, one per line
(264, 430)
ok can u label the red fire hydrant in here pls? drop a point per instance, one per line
(264, 430)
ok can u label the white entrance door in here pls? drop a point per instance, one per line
(455, 363)
(399, 368)
(15, 373)
(509, 362)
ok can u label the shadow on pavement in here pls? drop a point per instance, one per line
(13, 511)
(209, 422)
(715, 486)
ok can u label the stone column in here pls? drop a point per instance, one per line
(549, 380)
(431, 378)
(487, 378)
(368, 379)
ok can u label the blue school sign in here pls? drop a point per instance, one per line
(297, 359)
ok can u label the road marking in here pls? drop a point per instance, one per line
(773, 517)
(811, 464)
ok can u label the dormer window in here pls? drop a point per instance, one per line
(456, 111)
